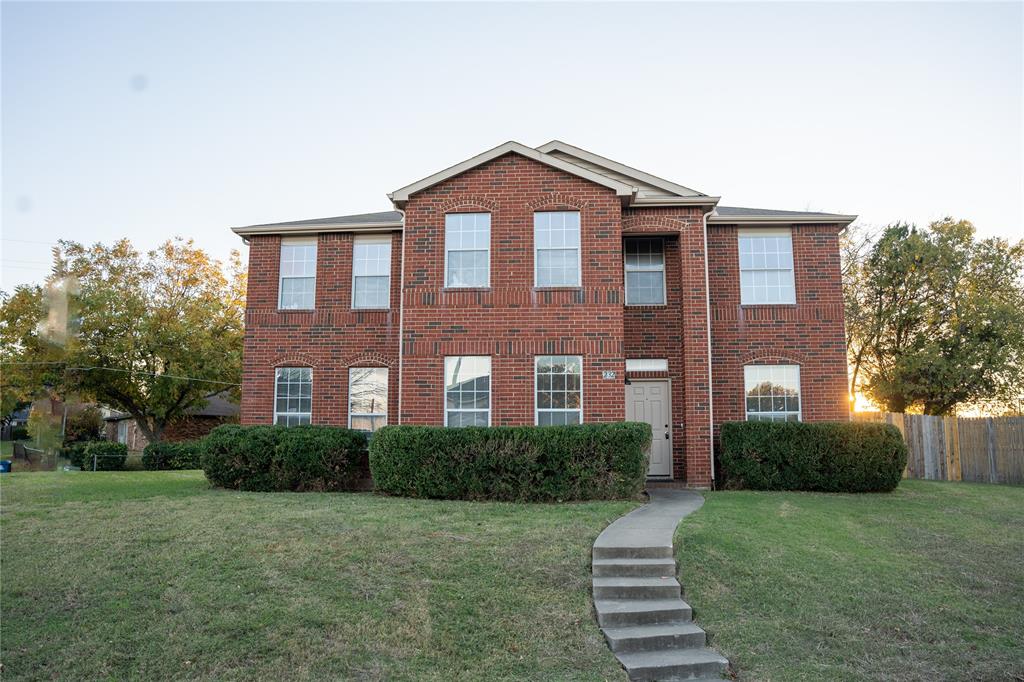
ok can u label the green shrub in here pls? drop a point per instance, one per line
(165, 456)
(75, 452)
(19, 433)
(848, 457)
(276, 458)
(84, 426)
(516, 463)
(108, 455)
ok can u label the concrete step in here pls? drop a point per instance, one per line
(650, 568)
(655, 637)
(613, 613)
(636, 588)
(632, 552)
(674, 664)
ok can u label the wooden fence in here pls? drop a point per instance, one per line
(984, 449)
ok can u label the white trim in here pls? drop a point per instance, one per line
(782, 232)
(490, 386)
(297, 241)
(370, 239)
(401, 323)
(626, 271)
(661, 365)
(490, 245)
(401, 195)
(312, 229)
(579, 254)
(536, 409)
(277, 378)
(387, 386)
(799, 392)
(781, 219)
(711, 381)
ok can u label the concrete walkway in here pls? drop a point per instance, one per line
(638, 600)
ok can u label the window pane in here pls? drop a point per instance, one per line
(467, 382)
(645, 288)
(372, 292)
(298, 275)
(559, 397)
(766, 268)
(467, 269)
(371, 272)
(368, 391)
(773, 392)
(293, 389)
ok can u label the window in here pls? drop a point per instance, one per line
(645, 271)
(371, 271)
(556, 238)
(772, 392)
(298, 274)
(559, 389)
(467, 243)
(467, 391)
(367, 398)
(646, 365)
(122, 431)
(766, 267)
(293, 396)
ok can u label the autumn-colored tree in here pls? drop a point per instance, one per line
(935, 317)
(152, 335)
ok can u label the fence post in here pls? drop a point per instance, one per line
(992, 476)
(94, 461)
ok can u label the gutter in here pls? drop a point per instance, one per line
(401, 316)
(711, 383)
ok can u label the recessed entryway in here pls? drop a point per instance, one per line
(649, 401)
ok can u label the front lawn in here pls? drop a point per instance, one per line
(153, 575)
(925, 583)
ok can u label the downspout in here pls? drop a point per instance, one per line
(401, 315)
(711, 383)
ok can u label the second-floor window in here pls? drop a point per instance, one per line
(371, 271)
(766, 267)
(556, 239)
(467, 245)
(645, 271)
(297, 287)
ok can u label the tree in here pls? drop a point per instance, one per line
(935, 318)
(22, 342)
(153, 335)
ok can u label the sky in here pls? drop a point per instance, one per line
(148, 120)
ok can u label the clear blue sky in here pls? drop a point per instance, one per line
(149, 120)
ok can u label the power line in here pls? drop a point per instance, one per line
(126, 371)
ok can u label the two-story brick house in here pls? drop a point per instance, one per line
(548, 286)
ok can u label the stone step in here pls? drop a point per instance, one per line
(674, 664)
(651, 568)
(632, 552)
(636, 588)
(655, 637)
(612, 613)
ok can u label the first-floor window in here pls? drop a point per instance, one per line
(293, 391)
(367, 398)
(122, 431)
(559, 395)
(467, 391)
(772, 392)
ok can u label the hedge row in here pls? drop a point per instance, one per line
(826, 456)
(277, 458)
(179, 455)
(588, 462)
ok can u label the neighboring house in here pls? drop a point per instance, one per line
(548, 286)
(121, 427)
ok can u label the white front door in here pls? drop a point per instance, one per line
(648, 401)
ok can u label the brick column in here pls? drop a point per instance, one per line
(697, 394)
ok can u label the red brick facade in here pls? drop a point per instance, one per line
(512, 321)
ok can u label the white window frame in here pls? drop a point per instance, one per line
(537, 250)
(760, 232)
(490, 386)
(536, 409)
(277, 379)
(387, 387)
(448, 249)
(626, 269)
(646, 365)
(799, 395)
(122, 431)
(295, 241)
(371, 239)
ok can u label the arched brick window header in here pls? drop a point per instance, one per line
(556, 202)
(368, 360)
(774, 357)
(468, 204)
(294, 360)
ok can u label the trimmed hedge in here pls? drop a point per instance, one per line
(278, 458)
(110, 456)
(512, 463)
(849, 457)
(178, 455)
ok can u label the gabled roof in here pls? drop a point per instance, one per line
(401, 195)
(737, 215)
(650, 188)
(365, 222)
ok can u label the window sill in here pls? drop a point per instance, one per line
(768, 305)
(575, 287)
(296, 310)
(453, 289)
(370, 310)
(646, 305)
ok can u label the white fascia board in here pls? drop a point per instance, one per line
(676, 201)
(661, 183)
(400, 196)
(777, 220)
(316, 229)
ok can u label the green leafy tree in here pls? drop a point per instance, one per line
(935, 318)
(153, 335)
(24, 352)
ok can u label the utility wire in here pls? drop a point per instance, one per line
(126, 371)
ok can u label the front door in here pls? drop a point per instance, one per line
(648, 401)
